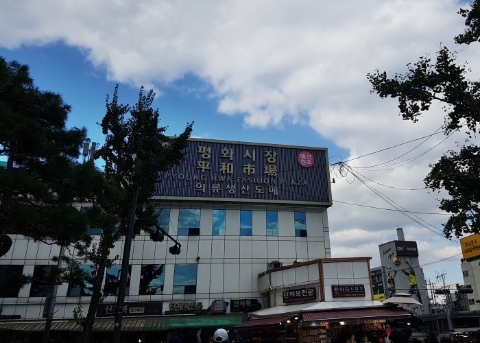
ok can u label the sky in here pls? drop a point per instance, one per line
(271, 71)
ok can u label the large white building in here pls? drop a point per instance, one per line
(237, 209)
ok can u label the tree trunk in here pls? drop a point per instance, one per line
(97, 292)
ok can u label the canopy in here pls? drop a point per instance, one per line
(357, 315)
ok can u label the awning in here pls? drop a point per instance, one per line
(210, 321)
(100, 324)
(263, 321)
(357, 315)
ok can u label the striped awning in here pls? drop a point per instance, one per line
(128, 324)
(263, 321)
(357, 315)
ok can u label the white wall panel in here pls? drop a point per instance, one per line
(313, 272)
(316, 250)
(289, 277)
(231, 274)
(246, 280)
(135, 279)
(205, 249)
(19, 250)
(168, 282)
(192, 249)
(232, 249)
(203, 278)
(360, 269)
(218, 248)
(287, 250)
(232, 223)
(302, 275)
(345, 270)
(44, 252)
(216, 278)
(173, 229)
(314, 224)
(301, 249)
(149, 251)
(272, 250)
(32, 250)
(330, 271)
(246, 249)
(259, 223)
(286, 226)
(137, 249)
(206, 221)
(259, 249)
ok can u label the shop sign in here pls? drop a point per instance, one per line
(218, 307)
(245, 305)
(192, 307)
(406, 248)
(303, 294)
(345, 291)
(131, 309)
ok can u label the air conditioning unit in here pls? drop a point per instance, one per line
(275, 264)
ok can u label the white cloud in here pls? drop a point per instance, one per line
(277, 62)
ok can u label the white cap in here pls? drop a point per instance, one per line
(220, 336)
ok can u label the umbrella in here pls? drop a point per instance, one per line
(402, 298)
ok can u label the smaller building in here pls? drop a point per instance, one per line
(311, 301)
(471, 270)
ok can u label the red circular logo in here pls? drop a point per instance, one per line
(305, 159)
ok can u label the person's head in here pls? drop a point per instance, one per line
(445, 339)
(346, 336)
(398, 336)
(220, 336)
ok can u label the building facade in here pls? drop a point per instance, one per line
(470, 268)
(237, 209)
(402, 271)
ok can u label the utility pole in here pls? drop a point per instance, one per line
(448, 301)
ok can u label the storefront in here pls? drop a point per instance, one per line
(367, 324)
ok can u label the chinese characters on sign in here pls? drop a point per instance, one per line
(470, 246)
(185, 307)
(303, 294)
(344, 291)
(245, 305)
(131, 309)
(226, 170)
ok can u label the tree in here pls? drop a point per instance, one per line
(131, 132)
(443, 81)
(41, 153)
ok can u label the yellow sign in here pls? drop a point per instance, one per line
(470, 246)
(379, 297)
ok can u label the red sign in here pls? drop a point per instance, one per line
(305, 159)
(345, 291)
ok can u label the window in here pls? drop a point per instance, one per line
(300, 224)
(112, 278)
(185, 279)
(92, 231)
(188, 219)
(152, 279)
(218, 226)
(11, 280)
(81, 284)
(164, 218)
(43, 280)
(245, 223)
(272, 223)
(465, 273)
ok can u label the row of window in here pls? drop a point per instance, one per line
(189, 223)
(151, 281)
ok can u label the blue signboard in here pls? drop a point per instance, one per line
(249, 172)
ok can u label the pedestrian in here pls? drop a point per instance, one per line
(346, 336)
(220, 336)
